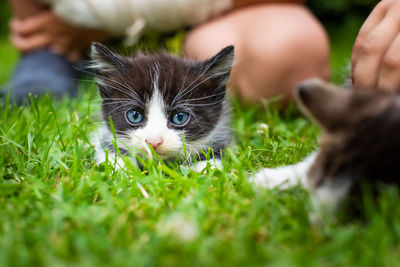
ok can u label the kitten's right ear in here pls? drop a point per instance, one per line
(219, 66)
(104, 60)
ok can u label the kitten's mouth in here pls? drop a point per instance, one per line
(160, 151)
(164, 154)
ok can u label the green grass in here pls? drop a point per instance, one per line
(57, 207)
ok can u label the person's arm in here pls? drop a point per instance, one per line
(243, 3)
(376, 52)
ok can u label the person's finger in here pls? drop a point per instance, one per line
(370, 55)
(30, 25)
(389, 75)
(376, 16)
(12, 22)
(27, 44)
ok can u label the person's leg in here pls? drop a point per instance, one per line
(276, 46)
(40, 71)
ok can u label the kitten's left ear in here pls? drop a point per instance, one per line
(220, 65)
(328, 105)
(104, 60)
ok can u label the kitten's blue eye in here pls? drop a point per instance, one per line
(134, 116)
(180, 118)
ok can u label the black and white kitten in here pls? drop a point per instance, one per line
(176, 106)
(360, 144)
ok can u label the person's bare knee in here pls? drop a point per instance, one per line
(207, 39)
(272, 65)
(276, 46)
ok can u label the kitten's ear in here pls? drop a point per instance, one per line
(219, 66)
(325, 103)
(104, 60)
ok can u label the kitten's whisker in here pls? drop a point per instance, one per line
(108, 101)
(88, 72)
(189, 106)
(205, 97)
(128, 90)
(205, 105)
(134, 92)
(196, 151)
(88, 80)
(219, 126)
(119, 106)
(117, 99)
(184, 108)
(198, 84)
(182, 92)
(123, 90)
(98, 79)
(181, 89)
(114, 103)
(189, 155)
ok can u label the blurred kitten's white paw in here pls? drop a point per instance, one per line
(286, 176)
(271, 178)
(201, 165)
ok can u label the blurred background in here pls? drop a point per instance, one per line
(341, 18)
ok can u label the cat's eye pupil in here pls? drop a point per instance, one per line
(180, 118)
(134, 116)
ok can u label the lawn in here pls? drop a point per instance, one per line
(57, 207)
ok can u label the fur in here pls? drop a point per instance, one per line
(359, 145)
(159, 86)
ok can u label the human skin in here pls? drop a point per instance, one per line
(35, 26)
(23, 9)
(276, 46)
(376, 52)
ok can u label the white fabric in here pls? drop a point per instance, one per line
(131, 17)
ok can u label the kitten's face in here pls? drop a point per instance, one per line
(161, 101)
(361, 132)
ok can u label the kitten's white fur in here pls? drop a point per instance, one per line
(284, 177)
(326, 196)
(201, 165)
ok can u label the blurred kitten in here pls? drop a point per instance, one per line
(360, 144)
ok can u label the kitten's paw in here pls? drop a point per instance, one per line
(201, 165)
(270, 178)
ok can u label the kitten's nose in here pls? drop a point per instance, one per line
(155, 142)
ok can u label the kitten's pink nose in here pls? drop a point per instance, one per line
(155, 142)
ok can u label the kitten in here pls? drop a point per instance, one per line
(360, 144)
(176, 107)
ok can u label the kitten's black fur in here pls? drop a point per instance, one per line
(198, 88)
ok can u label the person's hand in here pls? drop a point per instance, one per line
(376, 53)
(48, 30)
